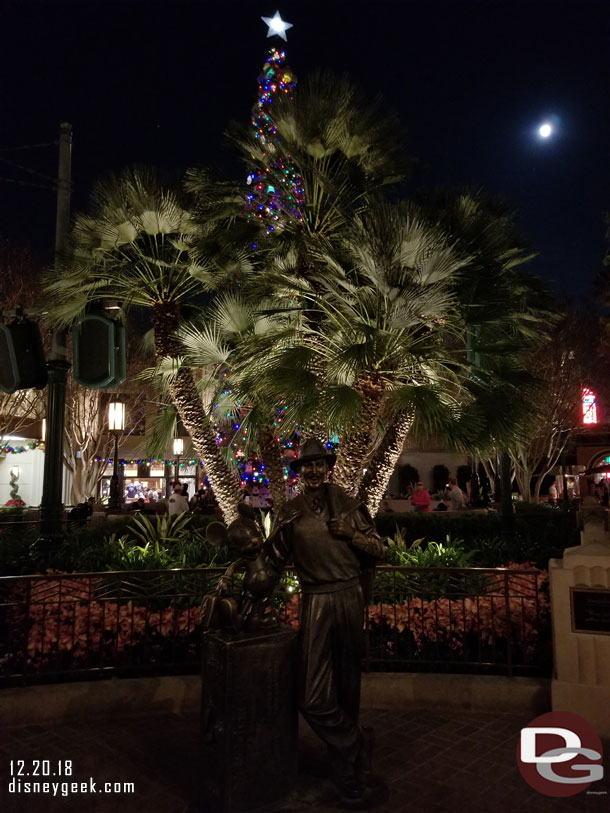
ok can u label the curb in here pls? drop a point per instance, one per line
(181, 694)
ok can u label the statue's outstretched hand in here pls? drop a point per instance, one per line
(225, 586)
(342, 528)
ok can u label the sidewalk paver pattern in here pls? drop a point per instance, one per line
(430, 761)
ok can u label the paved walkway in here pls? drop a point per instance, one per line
(430, 762)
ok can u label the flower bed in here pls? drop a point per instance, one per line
(149, 620)
(507, 623)
(76, 624)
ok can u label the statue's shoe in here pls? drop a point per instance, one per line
(345, 778)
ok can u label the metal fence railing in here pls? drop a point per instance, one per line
(459, 619)
(70, 626)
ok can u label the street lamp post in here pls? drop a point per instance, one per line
(116, 424)
(178, 449)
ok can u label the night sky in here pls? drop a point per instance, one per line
(158, 82)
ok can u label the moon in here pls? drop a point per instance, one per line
(545, 130)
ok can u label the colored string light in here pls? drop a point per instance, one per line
(10, 449)
(277, 189)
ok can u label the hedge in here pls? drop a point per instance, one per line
(538, 536)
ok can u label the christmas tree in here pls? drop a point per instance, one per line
(276, 189)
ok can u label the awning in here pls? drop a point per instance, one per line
(570, 471)
(599, 469)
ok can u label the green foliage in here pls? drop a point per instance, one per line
(536, 508)
(151, 556)
(420, 553)
(160, 529)
(470, 540)
(538, 536)
(184, 552)
(423, 554)
(15, 549)
(130, 544)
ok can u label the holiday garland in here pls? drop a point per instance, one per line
(10, 449)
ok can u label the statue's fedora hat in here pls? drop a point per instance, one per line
(312, 449)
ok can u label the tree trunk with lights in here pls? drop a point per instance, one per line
(355, 445)
(271, 454)
(185, 396)
(383, 461)
(316, 425)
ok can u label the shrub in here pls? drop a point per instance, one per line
(426, 554)
(15, 550)
(129, 543)
(537, 537)
(13, 507)
(534, 508)
(186, 552)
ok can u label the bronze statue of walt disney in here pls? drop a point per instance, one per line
(331, 541)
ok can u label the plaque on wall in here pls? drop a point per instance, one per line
(590, 610)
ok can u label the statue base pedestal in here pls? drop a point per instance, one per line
(249, 719)
(590, 702)
(580, 605)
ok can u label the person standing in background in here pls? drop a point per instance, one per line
(177, 503)
(420, 498)
(456, 494)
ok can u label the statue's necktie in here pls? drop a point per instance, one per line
(317, 505)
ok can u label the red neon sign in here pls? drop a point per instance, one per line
(589, 407)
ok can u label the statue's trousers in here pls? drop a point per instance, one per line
(330, 666)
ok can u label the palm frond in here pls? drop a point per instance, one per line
(160, 432)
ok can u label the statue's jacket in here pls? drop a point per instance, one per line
(323, 563)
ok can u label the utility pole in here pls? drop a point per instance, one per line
(51, 507)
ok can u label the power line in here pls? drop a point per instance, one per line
(27, 169)
(28, 183)
(29, 146)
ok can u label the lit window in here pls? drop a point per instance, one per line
(589, 407)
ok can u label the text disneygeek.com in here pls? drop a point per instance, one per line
(41, 776)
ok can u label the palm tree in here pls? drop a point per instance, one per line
(508, 312)
(391, 327)
(345, 150)
(376, 314)
(384, 308)
(133, 248)
(232, 331)
(345, 147)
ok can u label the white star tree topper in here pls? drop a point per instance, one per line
(277, 26)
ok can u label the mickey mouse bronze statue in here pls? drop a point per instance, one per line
(221, 610)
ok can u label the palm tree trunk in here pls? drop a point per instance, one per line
(383, 462)
(317, 425)
(354, 446)
(184, 394)
(270, 452)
